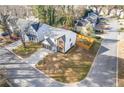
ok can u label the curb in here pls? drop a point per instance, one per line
(10, 85)
(14, 53)
(118, 37)
(94, 60)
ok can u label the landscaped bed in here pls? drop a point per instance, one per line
(5, 41)
(70, 67)
(26, 52)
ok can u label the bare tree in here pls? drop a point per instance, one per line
(23, 32)
(5, 23)
(20, 31)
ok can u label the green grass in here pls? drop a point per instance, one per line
(94, 48)
(1, 28)
(26, 52)
(121, 29)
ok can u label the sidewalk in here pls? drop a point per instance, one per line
(34, 58)
(13, 45)
(121, 60)
(37, 56)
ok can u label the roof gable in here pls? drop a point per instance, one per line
(35, 26)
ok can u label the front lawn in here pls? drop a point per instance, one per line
(70, 67)
(26, 52)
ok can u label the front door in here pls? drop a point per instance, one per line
(61, 44)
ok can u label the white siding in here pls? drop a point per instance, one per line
(40, 35)
(32, 31)
(71, 36)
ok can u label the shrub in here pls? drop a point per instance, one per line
(121, 29)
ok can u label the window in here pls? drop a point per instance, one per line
(71, 44)
(70, 40)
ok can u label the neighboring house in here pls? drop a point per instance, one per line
(29, 28)
(85, 25)
(112, 13)
(101, 24)
(92, 17)
(82, 26)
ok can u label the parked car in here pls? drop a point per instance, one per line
(99, 31)
(6, 33)
(15, 38)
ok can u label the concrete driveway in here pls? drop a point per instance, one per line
(21, 74)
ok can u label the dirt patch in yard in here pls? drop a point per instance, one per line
(70, 67)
